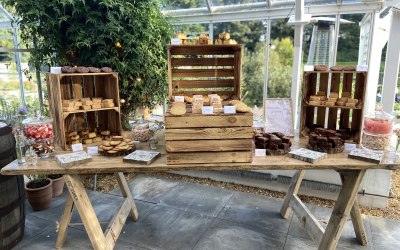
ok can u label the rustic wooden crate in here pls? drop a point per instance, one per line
(196, 138)
(74, 86)
(335, 117)
(204, 69)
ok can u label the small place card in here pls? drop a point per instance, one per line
(77, 147)
(179, 98)
(362, 68)
(260, 152)
(176, 41)
(229, 109)
(349, 146)
(308, 67)
(207, 110)
(93, 150)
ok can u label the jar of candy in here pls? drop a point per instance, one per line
(141, 131)
(378, 128)
(39, 131)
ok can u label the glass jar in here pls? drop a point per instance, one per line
(378, 128)
(39, 130)
(141, 131)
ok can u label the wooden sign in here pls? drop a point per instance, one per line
(279, 115)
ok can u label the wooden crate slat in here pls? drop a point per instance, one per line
(216, 61)
(347, 87)
(238, 72)
(208, 133)
(333, 112)
(212, 121)
(310, 88)
(208, 145)
(203, 49)
(202, 73)
(209, 157)
(323, 86)
(202, 83)
(191, 93)
(359, 93)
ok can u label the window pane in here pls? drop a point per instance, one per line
(349, 40)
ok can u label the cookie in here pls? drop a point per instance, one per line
(105, 132)
(122, 144)
(106, 143)
(92, 135)
(337, 68)
(117, 138)
(88, 141)
(188, 99)
(86, 107)
(107, 105)
(114, 143)
(108, 148)
(178, 108)
(112, 151)
(97, 139)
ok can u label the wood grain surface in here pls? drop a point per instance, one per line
(209, 145)
(102, 164)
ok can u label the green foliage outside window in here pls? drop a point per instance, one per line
(75, 32)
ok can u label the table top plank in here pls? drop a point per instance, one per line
(102, 164)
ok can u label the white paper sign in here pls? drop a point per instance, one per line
(176, 41)
(77, 147)
(229, 109)
(362, 68)
(260, 152)
(207, 110)
(93, 150)
(308, 67)
(349, 146)
(179, 98)
(279, 116)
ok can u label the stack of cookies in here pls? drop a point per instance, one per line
(318, 99)
(117, 146)
(346, 100)
(86, 103)
(107, 103)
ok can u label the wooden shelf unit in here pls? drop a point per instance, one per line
(197, 138)
(79, 85)
(334, 117)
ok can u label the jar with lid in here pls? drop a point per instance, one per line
(378, 129)
(141, 131)
(39, 131)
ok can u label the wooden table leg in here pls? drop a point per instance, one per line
(356, 219)
(293, 189)
(65, 219)
(86, 212)
(123, 186)
(342, 209)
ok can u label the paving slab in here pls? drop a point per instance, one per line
(385, 233)
(149, 188)
(255, 210)
(105, 206)
(229, 235)
(164, 227)
(34, 226)
(197, 198)
(348, 237)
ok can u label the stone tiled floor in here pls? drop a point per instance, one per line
(177, 215)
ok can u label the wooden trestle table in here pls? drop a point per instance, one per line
(351, 172)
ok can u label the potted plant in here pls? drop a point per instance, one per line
(58, 184)
(39, 191)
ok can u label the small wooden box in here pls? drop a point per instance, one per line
(197, 138)
(333, 117)
(80, 85)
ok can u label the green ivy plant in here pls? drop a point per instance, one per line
(130, 36)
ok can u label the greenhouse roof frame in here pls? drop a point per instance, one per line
(273, 9)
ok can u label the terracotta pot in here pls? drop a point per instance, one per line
(40, 198)
(58, 186)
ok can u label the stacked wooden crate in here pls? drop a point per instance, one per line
(333, 117)
(82, 85)
(197, 138)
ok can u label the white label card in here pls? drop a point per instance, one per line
(349, 146)
(260, 152)
(77, 147)
(229, 109)
(207, 110)
(308, 67)
(93, 150)
(176, 41)
(179, 98)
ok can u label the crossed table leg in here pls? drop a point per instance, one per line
(346, 204)
(80, 199)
